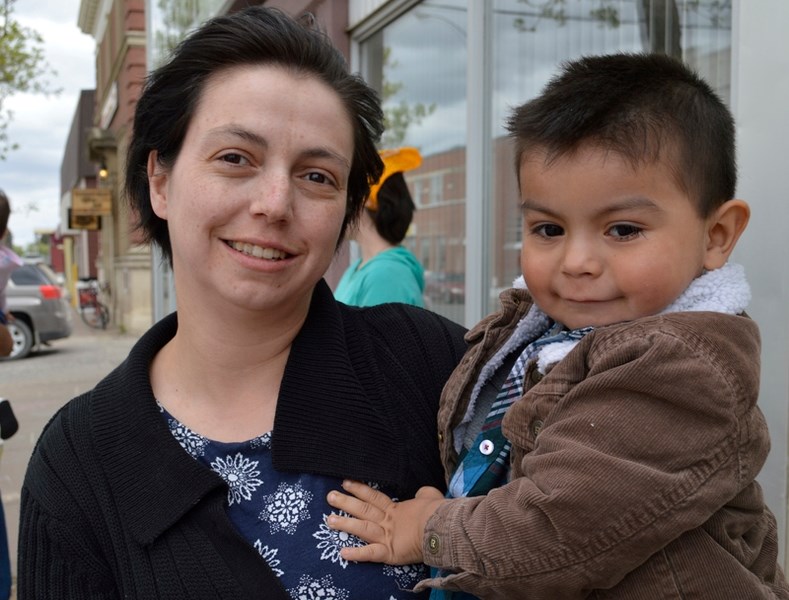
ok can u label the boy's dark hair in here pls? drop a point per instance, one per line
(5, 212)
(254, 36)
(395, 209)
(645, 107)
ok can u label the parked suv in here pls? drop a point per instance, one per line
(39, 306)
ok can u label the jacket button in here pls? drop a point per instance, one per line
(536, 376)
(486, 447)
(440, 437)
(433, 543)
(536, 427)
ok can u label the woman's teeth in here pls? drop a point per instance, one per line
(258, 251)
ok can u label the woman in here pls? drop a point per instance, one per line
(199, 467)
(387, 271)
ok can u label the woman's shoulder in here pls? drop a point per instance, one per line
(66, 419)
(59, 452)
(412, 334)
(397, 319)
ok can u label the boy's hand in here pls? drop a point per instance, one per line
(393, 530)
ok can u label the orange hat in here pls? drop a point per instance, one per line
(397, 160)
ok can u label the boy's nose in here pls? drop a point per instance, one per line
(580, 258)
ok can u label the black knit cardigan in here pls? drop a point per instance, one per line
(113, 507)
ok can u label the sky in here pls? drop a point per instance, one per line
(30, 175)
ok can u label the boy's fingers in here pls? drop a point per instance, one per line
(429, 493)
(364, 530)
(368, 494)
(355, 507)
(369, 553)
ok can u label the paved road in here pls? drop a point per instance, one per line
(40, 384)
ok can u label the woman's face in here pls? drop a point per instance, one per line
(256, 198)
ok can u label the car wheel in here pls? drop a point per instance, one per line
(23, 339)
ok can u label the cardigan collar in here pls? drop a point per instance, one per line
(331, 387)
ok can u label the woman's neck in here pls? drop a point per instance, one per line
(221, 376)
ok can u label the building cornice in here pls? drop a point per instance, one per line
(88, 10)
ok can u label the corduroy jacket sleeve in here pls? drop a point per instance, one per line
(644, 433)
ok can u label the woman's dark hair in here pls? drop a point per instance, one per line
(644, 107)
(395, 209)
(254, 36)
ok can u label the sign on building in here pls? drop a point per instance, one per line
(91, 201)
(89, 222)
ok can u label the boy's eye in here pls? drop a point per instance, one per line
(548, 230)
(624, 231)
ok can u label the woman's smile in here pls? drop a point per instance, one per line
(257, 251)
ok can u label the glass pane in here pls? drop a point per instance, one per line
(171, 20)
(418, 64)
(531, 38)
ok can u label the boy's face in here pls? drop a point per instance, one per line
(604, 242)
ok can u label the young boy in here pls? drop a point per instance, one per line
(625, 462)
(9, 261)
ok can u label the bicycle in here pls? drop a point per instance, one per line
(93, 311)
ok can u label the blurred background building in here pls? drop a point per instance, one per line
(449, 72)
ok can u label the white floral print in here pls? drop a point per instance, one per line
(240, 474)
(273, 511)
(261, 441)
(192, 442)
(270, 556)
(332, 541)
(317, 589)
(286, 508)
(406, 576)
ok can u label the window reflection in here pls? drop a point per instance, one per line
(418, 64)
(532, 37)
(171, 20)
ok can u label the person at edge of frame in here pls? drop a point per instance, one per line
(602, 436)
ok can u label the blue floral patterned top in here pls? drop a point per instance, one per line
(283, 515)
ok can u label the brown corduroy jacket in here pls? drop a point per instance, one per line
(633, 468)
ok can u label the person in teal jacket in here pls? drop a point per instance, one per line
(386, 271)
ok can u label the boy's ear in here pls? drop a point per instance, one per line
(157, 185)
(724, 228)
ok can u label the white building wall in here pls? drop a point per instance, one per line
(760, 99)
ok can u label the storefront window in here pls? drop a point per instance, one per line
(170, 20)
(532, 37)
(418, 62)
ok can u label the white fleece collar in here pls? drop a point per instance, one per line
(723, 290)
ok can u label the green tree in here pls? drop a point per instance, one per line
(23, 67)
